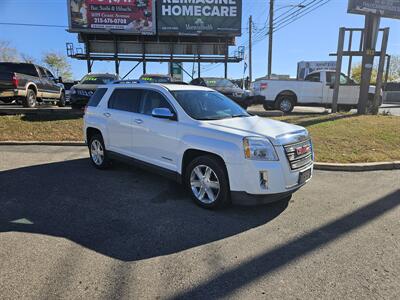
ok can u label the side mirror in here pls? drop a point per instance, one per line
(163, 113)
(60, 79)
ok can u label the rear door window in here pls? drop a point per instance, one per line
(125, 100)
(96, 97)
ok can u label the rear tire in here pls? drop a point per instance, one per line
(207, 181)
(30, 99)
(98, 153)
(285, 104)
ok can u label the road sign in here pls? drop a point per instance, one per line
(383, 8)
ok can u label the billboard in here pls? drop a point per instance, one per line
(199, 17)
(306, 67)
(384, 8)
(116, 16)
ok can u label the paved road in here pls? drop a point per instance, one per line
(70, 231)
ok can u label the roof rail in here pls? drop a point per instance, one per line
(129, 81)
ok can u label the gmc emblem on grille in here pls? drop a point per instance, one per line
(303, 149)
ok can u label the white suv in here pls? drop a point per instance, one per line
(200, 138)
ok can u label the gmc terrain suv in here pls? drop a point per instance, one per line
(200, 138)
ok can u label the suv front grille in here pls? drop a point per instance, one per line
(299, 154)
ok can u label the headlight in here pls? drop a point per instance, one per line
(256, 148)
(72, 91)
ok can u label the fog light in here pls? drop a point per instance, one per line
(264, 179)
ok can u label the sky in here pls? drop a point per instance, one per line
(312, 37)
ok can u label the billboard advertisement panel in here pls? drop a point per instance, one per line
(384, 8)
(199, 17)
(306, 67)
(117, 16)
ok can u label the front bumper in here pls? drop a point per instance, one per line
(243, 198)
(244, 179)
(76, 99)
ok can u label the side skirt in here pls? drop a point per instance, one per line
(175, 176)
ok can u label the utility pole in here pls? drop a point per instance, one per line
(270, 33)
(250, 49)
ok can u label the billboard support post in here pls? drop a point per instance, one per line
(370, 36)
(144, 57)
(350, 56)
(379, 79)
(116, 55)
(338, 70)
(226, 60)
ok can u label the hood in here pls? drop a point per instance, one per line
(279, 133)
(86, 87)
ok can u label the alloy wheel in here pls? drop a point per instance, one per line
(97, 151)
(205, 184)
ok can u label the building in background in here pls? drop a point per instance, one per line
(306, 67)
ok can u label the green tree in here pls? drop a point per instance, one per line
(8, 53)
(394, 71)
(58, 64)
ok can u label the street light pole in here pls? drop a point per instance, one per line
(270, 36)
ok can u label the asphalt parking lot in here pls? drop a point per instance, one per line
(69, 231)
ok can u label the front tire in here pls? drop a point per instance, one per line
(207, 181)
(30, 99)
(98, 152)
(61, 101)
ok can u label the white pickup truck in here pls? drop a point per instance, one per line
(315, 90)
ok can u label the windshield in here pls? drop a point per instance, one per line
(213, 82)
(97, 79)
(208, 105)
(156, 79)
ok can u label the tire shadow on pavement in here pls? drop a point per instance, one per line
(124, 213)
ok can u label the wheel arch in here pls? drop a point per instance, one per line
(192, 153)
(287, 93)
(32, 86)
(91, 131)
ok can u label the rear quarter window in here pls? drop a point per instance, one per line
(96, 97)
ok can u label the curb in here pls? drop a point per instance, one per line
(357, 167)
(42, 143)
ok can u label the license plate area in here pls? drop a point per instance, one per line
(304, 176)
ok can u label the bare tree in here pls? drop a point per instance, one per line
(8, 53)
(28, 58)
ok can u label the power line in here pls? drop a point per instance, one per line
(33, 25)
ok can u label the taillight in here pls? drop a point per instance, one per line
(15, 80)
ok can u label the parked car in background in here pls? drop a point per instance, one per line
(200, 138)
(81, 92)
(67, 86)
(29, 84)
(315, 90)
(227, 88)
(156, 78)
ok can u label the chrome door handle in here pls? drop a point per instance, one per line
(138, 121)
(107, 115)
